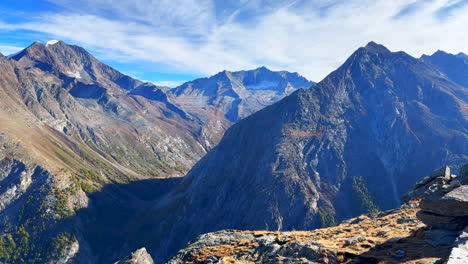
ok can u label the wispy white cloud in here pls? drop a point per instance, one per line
(311, 37)
(171, 84)
(8, 49)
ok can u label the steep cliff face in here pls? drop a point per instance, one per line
(31, 209)
(351, 144)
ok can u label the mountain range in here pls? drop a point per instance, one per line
(86, 150)
(70, 126)
(353, 143)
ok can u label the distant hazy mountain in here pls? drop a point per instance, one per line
(454, 66)
(239, 94)
(352, 144)
(227, 97)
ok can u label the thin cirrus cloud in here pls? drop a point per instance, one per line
(205, 36)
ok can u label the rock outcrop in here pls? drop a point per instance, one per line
(386, 237)
(140, 256)
(444, 207)
(444, 199)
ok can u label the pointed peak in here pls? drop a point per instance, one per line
(440, 52)
(263, 68)
(36, 44)
(375, 47)
(462, 55)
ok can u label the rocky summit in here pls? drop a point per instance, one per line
(395, 236)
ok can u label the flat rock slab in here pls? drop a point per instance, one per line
(453, 203)
(442, 221)
(441, 237)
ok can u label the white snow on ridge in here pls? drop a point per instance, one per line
(51, 42)
(76, 74)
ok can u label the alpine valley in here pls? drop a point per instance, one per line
(98, 167)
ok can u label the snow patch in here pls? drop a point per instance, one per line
(76, 74)
(51, 42)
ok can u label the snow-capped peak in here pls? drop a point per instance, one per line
(51, 42)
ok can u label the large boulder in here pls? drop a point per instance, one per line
(453, 203)
(442, 221)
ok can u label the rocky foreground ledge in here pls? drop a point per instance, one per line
(430, 228)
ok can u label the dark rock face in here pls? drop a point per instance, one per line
(353, 142)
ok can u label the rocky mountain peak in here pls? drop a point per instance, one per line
(463, 56)
(71, 61)
(376, 48)
(238, 94)
(453, 66)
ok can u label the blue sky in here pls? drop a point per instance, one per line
(171, 41)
